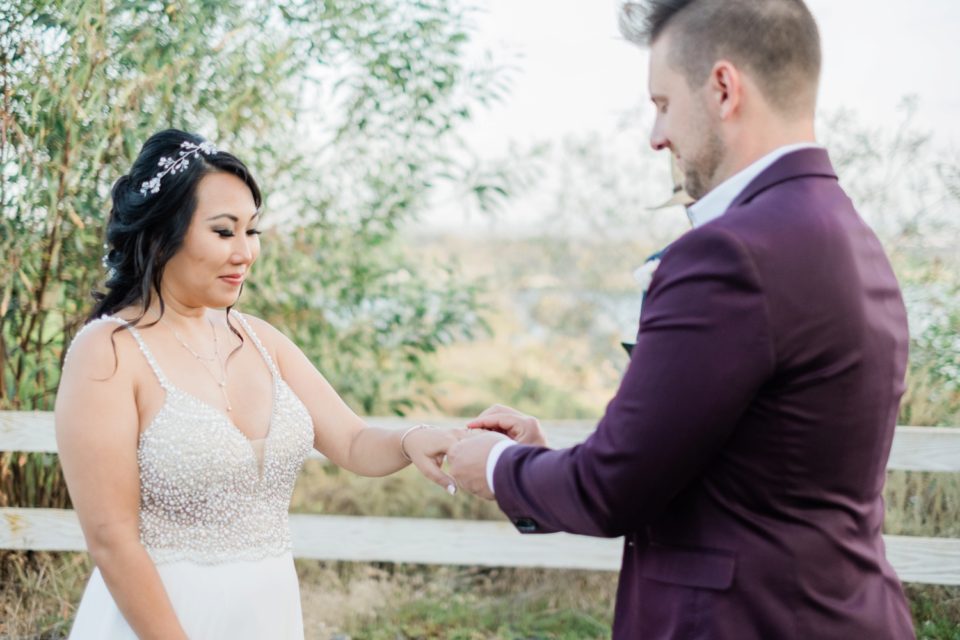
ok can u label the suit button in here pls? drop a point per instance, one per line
(526, 525)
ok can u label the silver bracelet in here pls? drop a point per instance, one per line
(403, 451)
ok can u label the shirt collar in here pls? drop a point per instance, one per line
(718, 200)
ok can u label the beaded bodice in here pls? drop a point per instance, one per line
(204, 494)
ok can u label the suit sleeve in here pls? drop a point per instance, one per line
(703, 351)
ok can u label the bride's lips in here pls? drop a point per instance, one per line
(235, 280)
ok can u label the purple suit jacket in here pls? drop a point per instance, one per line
(743, 456)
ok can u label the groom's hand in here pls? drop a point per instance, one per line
(519, 426)
(467, 462)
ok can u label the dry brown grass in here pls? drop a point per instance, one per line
(39, 593)
(499, 369)
(345, 598)
(928, 402)
(337, 595)
(922, 504)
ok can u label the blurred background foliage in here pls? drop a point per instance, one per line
(567, 293)
(346, 111)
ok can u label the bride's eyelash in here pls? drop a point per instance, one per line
(227, 233)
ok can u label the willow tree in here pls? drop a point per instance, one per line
(347, 111)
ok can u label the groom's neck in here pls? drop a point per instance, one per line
(748, 141)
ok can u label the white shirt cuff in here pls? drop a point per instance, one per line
(492, 458)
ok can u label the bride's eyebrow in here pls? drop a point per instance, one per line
(224, 215)
(232, 217)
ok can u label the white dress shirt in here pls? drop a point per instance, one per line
(711, 206)
(718, 200)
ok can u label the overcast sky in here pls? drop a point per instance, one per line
(577, 74)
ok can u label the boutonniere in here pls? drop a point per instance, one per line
(644, 274)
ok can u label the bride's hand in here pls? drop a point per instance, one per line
(427, 447)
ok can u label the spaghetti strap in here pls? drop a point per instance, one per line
(256, 341)
(144, 350)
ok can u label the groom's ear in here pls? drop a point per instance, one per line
(725, 87)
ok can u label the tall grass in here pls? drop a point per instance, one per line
(928, 401)
(39, 593)
(32, 480)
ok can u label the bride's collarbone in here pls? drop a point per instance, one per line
(249, 393)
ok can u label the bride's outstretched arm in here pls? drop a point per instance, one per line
(97, 433)
(341, 435)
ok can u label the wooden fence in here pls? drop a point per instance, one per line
(463, 542)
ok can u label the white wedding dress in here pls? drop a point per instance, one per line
(213, 517)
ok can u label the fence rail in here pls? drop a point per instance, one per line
(914, 448)
(464, 542)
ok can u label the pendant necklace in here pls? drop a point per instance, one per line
(222, 380)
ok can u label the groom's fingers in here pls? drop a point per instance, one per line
(499, 409)
(473, 431)
(492, 421)
(503, 423)
(520, 427)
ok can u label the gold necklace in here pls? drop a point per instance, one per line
(222, 380)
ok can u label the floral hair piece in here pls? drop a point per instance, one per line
(176, 165)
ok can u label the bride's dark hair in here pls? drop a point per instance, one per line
(146, 229)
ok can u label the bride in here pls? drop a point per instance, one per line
(181, 427)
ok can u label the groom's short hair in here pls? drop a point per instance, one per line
(776, 40)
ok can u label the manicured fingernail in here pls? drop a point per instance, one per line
(452, 489)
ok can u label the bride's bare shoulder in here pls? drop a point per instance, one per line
(100, 349)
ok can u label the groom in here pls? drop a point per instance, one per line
(743, 455)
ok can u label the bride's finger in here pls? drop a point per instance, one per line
(428, 466)
(460, 434)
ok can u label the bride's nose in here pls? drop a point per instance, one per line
(243, 251)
